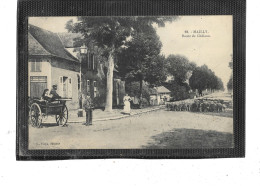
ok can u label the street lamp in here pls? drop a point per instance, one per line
(83, 50)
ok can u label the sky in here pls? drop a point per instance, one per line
(215, 51)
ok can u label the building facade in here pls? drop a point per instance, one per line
(159, 95)
(55, 60)
(50, 64)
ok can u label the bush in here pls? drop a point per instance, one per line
(178, 92)
(133, 89)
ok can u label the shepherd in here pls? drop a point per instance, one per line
(88, 105)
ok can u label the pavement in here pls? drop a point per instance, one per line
(100, 115)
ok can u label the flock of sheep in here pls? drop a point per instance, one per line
(198, 105)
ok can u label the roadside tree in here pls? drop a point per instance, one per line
(111, 34)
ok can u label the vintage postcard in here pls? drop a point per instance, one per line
(96, 81)
(130, 82)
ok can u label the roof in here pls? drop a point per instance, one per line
(152, 90)
(35, 48)
(158, 90)
(44, 42)
(162, 89)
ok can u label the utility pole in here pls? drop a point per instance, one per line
(83, 50)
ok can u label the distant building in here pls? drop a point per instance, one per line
(159, 95)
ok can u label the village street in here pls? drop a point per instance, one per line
(182, 101)
(157, 129)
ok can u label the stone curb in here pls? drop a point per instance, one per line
(120, 117)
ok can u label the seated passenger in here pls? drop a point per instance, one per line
(46, 96)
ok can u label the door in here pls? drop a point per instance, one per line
(37, 86)
(65, 87)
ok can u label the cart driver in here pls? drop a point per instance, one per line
(54, 94)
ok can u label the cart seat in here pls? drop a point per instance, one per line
(55, 105)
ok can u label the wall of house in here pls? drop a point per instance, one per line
(65, 64)
(57, 73)
(155, 99)
(100, 98)
(118, 92)
(45, 71)
(167, 95)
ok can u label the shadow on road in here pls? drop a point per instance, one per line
(191, 138)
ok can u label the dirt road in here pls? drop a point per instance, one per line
(133, 132)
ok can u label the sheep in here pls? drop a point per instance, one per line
(212, 107)
(184, 107)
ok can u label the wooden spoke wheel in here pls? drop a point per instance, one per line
(62, 118)
(36, 115)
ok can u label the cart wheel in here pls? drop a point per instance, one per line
(36, 115)
(62, 118)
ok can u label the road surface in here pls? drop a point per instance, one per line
(158, 129)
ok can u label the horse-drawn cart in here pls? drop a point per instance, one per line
(42, 108)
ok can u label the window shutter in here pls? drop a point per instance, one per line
(95, 88)
(32, 66)
(93, 62)
(70, 88)
(60, 86)
(88, 86)
(94, 85)
(89, 61)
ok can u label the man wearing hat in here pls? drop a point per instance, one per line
(53, 92)
(88, 105)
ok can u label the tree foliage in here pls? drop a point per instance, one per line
(111, 35)
(204, 78)
(178, 91)
(179, 67)
(141, 59)
(230, 83)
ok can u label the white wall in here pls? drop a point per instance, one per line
(56, 74)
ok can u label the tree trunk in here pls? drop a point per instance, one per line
(109, 92)
(141, 93)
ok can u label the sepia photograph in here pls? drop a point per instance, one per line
(130, 82)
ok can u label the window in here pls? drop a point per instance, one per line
(89, 61)
(36, 65)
